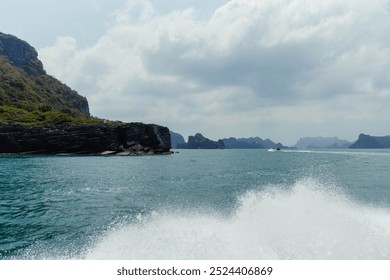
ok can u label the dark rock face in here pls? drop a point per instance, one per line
(21, 54)
(130, 138)
(371, 142)
(200, 142)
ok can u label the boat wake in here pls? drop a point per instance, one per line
(309, 220)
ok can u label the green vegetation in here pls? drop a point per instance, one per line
(39, 100)
(12, 115)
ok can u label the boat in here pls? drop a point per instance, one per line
(274, 150)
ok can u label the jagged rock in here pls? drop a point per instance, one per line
(85, 139)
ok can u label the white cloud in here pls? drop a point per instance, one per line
(252, 68)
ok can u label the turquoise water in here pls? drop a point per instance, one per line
(197, 204)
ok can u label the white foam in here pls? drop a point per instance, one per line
(307, 221)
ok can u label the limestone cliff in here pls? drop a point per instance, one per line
(28, 95)
(126, 139)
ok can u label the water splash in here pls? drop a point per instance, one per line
(309, 220)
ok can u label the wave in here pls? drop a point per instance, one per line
(309, 220)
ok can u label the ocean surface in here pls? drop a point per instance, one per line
(197, 204)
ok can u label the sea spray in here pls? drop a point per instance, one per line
(308, 220)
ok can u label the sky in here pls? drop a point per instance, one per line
(278, 69)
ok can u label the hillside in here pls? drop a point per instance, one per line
(29, 96)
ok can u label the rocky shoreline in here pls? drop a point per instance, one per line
(100, 139)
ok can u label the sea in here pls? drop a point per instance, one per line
(197, 205)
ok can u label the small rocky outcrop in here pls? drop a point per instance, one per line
(126, 139)
(200, 142)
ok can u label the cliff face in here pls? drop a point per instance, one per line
(131, 138)
(27, 94)
(21, 54)
(371, 142)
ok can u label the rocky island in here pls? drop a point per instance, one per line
(251, 143)
(322, 143)
(198, 141)
(371, 142)
(41, 115)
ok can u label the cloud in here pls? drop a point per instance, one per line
(252, 68)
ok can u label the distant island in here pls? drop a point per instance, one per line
(364, 142)
(251, 143)
(176, 139)
(198, 141)
(322, 143)
(39, 114)
(371, 142)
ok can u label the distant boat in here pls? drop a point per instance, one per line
(274, 150)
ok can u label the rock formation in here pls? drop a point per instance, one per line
(126, 139)
(250, 143)
(371, 142)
